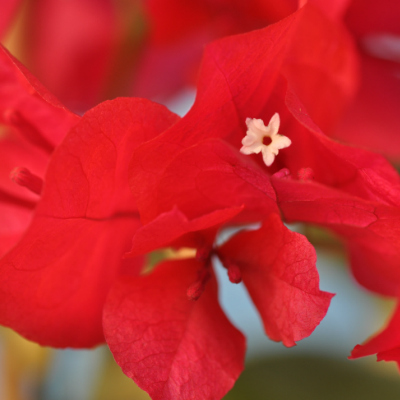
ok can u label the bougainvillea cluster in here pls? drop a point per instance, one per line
(90, 188)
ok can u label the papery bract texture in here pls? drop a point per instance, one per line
(212, 175)
(352, 170)
(269, 262)
(371, 229)
(54, 282)
(278, 269)
(241, 77)
(169, 226)
(170, 346)
(360, 201)
(349, 190)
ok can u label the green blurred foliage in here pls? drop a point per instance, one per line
(313, 378)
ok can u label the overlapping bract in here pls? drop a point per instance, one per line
(70, 255)
(33, 123)
(130, 177)
(351, 191)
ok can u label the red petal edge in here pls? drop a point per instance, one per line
(278, 269)
(170, 346)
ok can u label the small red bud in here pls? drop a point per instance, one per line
(283, 173)
(234, 274)
(196, 289)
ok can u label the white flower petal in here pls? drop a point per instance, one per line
(257, 131)
(255, 148)
(274, 124)
(281, 142)
(268, 156)
(248, 140)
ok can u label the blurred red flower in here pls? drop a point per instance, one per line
(34, 122)
(373, 120)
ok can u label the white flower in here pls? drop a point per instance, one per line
(257, 131)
